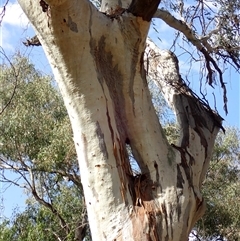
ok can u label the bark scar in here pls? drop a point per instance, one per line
(101, 140)
(72, 25)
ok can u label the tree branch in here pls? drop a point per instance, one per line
(64, 225)
(194, 115)
(180, 26)
(54, 233)
(15, 84)
(200, 43)
(2, 14)
(75, 178)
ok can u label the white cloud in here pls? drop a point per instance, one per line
(14, 15)
(4, 40)
(15, 28)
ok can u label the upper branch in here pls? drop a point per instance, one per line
(202, 45)
(198, 123)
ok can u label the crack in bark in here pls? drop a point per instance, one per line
(124, 168)
(157, 182)
(180, 179)
(164, 211)
(184, 164)
(109, 122)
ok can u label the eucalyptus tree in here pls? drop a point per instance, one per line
(36, 222)
(97, 57)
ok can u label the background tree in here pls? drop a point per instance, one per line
(222, 190)
(37, 222)
(36, 145)
(103, 83)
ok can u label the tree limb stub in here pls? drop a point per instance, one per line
(34, 41)
(144, 8)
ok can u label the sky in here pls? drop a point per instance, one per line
(15, 28)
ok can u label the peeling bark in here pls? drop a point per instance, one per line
(199, 124)
(98, 62)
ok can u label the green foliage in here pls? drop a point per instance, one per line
(36, 143)
(39, 223)
(36, 120)
(222, 190)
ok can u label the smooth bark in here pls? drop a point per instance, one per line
(98, 62)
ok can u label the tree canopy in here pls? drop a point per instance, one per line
(222, 190)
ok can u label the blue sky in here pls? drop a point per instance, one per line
(16, 28)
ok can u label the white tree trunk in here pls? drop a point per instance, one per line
(98, 62)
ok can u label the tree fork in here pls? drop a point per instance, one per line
(97, 61)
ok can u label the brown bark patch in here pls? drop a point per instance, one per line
(101, 140)
(147, 222)
(110, 74)
(144, 8)
(72, 25)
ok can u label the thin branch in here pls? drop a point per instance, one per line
(63, 224)
(195, 12)
(206, 50)
(2, 14)
(54, 233)
(196, 236)
(75, 178)
(32, 188)
(178, 25)
(18, 170)
(16, 80)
